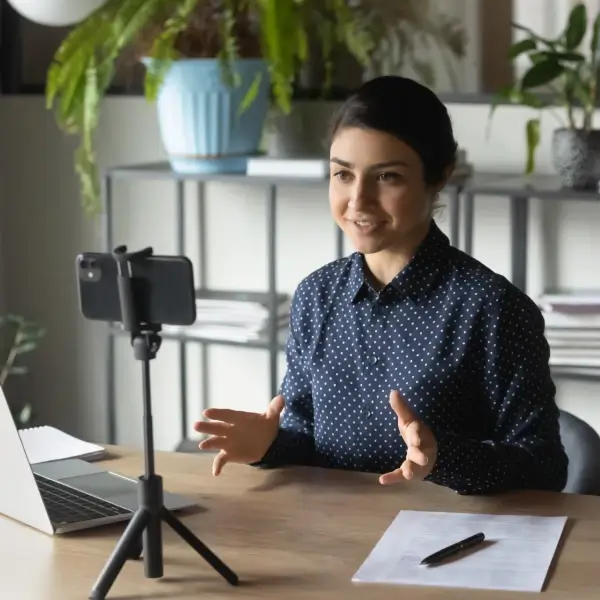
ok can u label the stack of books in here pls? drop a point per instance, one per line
(573, 330)
(234, 317)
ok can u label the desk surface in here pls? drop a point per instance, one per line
(290, 534)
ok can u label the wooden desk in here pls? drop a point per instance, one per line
(293, 534)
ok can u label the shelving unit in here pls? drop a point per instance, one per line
(274, 340)
(520, 190)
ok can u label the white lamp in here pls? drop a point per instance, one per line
(56, 13)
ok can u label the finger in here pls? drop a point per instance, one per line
(412, 434)
(403, 412)
(408, 469)
(213, 443)
(392, 477)
(219, 462)
(276, 406)
(227, 415)
(212, 427)
(417, 456)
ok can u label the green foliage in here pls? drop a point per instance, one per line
(277, 30)
(19, 336)
(564, 66)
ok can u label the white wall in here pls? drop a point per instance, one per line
(43, 230)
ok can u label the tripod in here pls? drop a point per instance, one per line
(144, 530)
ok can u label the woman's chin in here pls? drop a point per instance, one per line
(368, 246)
(366, 239)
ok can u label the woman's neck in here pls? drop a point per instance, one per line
(383, 266)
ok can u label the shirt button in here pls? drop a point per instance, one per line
(373, 360)
(368, 413)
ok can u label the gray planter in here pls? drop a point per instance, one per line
(303, 133)
(576, 157)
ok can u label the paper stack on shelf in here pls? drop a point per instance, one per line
(235, 320)
(573, 330)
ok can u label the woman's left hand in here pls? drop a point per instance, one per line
(421, 452)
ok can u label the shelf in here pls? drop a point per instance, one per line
(543, 187)
(576, 373)
(260, 343)
(163, 171)
(239, 296)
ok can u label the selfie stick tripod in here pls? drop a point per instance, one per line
(144, 530)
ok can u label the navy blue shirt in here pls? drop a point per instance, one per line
(465, 348)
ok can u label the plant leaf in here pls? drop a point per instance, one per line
(576, 26)
(532, 129)
(566, 56)
(549, 43)
(513, 95)
(594, 40)
(251, 94)
(26, 347)
(25, 415)
(521, 47)
(163, 52)
(541, 73)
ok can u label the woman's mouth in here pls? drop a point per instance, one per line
(366, 227)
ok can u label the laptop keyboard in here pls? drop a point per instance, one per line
(67, 505)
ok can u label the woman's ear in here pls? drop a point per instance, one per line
(447, 175)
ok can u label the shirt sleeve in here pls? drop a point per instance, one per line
(294, 443)
(526, 450)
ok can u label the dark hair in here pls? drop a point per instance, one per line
(409, 111)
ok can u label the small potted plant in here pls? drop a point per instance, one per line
(18, 336)
(567, 67)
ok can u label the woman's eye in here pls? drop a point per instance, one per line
(342, 175)
(389, 177)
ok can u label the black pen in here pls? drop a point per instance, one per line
(440, 555)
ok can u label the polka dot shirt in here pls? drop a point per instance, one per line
(463, 346)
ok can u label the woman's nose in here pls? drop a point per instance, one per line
(360, 198)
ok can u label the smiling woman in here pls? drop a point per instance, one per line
(408, 358)
(389, 160)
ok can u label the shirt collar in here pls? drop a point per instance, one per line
(416, 278)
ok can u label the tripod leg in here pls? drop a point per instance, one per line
(136, 551)
(214, 561)
(129, 541)
(153, 549)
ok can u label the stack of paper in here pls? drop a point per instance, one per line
(573, 329)
(232, 320)
(515, 556)
(46, 443)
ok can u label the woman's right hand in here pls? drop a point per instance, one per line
(240, 436)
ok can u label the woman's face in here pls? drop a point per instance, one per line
(377, 191)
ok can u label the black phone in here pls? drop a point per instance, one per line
(163, 285)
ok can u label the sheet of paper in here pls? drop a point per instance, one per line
(515, 555)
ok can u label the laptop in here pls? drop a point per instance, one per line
(64, 495)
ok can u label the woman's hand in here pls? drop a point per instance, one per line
(421, 452)
(240, 436)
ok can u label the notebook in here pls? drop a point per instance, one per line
(46, 443)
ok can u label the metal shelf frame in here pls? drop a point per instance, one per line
(520, 190)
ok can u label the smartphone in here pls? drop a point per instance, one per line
(164, 289)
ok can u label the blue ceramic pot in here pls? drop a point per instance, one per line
(201, 125)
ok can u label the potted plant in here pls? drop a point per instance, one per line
(212, 66)
(391, 33)
(566, 66)
(19, 336)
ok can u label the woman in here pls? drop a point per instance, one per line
(409, 358)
